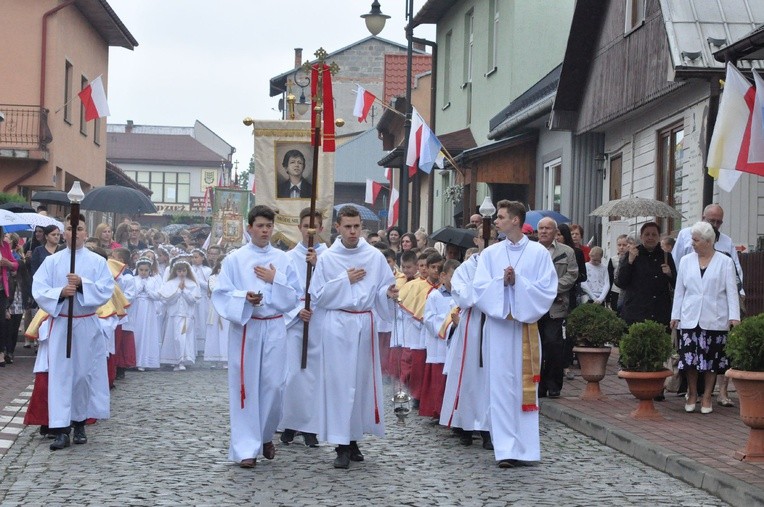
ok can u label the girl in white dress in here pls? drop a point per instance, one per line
(145, 314)
(216, 340)
(180, 294)
(202, 274)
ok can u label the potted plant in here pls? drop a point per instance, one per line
(594, 328)
(745, 348)
(644, 352)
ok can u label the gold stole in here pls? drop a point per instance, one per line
(447, 322)
(531, 365)
(413, 297)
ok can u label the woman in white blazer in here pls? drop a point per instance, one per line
(705, 306)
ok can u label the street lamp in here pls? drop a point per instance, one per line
(375, 21)
(487, 209)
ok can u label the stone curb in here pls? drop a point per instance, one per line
(728, 488)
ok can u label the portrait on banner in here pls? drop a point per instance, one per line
(294, 174)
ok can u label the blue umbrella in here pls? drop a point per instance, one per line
(366, 213)
(533, 216)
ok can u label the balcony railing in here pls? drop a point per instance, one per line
(25, 128)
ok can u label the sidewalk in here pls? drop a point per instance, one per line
(16, 381)
(695, 448)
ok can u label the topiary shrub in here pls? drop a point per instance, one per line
(594, 326)
(745, 344)
(646, 347)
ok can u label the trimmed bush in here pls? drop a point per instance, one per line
(745, 344)
(646, 347)
(594, 326)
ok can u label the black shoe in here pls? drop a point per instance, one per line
(120, 373)
(61, 441)
(343, 457)
(415, 404)
(553, 394)
(487, 443)
(465, 438)
(79, 434)
(310, 439)
(8, 358)
(660, 397)
(355, 452)
(44, 431)
(287, 436)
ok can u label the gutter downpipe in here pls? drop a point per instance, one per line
(43, 61)
(713, 111)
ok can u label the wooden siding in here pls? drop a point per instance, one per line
(510, 166)
(628, 70)
(753, 281)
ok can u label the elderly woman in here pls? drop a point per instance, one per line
(705, 306)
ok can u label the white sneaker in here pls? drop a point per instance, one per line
(177, 368)
(181, 367)
(141, 369)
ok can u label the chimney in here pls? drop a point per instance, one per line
(297, 58)
(129, 127)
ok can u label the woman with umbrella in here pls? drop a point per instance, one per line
(38, 239)
(52, 244)
(8, 264)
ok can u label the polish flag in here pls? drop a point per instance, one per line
(93, 97)
(424, 150)
(392, 212)
(372, 191)
(756, 148)
(252, 182)
(363, 102)
(388, 174)
(221, 179)
(729, 148)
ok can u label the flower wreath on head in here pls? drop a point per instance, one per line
(200, 252)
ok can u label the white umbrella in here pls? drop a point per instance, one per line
(632, 207)
(37, 220)
(9, 218)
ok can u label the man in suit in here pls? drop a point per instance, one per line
(296, 187)
(550, 325)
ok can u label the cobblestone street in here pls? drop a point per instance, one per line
(166, 444)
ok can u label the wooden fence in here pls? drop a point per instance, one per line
(753, 281)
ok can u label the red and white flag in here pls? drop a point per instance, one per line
(388, 174)
(251, 182)
(372, 191)
(729, 151)
(93, 97)
(424, 149)
(363, 101)
(392, 212)
(756, 149)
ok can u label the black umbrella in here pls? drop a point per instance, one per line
(17, 207)
(455, 236)
(118, 199)
(51, 197)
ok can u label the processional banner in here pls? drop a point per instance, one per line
(284, 176)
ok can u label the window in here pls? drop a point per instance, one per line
(166, 187)
(83, 122)
(553, 185)
(97, 131)
(668, 180)
(635, 14)
(68, 83)
(493, 36)
(469, 43)
(447, 72)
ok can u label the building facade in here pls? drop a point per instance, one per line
(51, 51)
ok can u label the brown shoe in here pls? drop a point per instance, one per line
(248, 463)
(269, 450)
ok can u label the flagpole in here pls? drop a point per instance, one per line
(318, 109)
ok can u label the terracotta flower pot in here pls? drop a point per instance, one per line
(645, 385)
(750, 390)
(593, 362)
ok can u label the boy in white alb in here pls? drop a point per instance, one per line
(597, 284)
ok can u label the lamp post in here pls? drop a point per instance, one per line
(487, 209)
(375, 22)
(75, 196)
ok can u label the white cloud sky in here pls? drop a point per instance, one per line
(212, 61)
